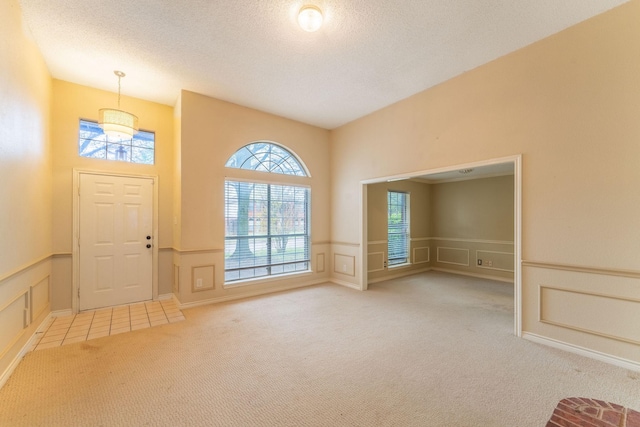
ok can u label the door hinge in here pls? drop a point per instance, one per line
(78, 293)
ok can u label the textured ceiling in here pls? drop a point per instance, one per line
(367, 55)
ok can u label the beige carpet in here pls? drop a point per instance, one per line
(428, 350)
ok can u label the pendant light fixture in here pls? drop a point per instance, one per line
(115, 123)
(310, 18)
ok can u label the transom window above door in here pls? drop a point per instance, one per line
(93, 143)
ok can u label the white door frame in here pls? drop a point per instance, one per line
(517, 216)
(75, 256)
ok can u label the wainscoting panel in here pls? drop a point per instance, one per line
(191, 265)
(176, 279)
(583, 307)
(458, 255)
(421, 255)
(581, 311)
(40, 298)
(25, 301)
(375, 261)
(320, 263)
(454, 256)
(14, 319)
(165, 271)
(203, 278)
(344, 264)
(501, 261)
(207, 265)
(377, 270)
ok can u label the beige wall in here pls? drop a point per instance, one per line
(570, 105)
(471, 220)
(25, 185)
(70, 103)
(211, 131)
(473, 209)
(25, 158)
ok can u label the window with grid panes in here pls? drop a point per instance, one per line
(93, 143)
(267, 225)
(398, 228)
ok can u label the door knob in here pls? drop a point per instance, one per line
(148, 237)
(148, 246)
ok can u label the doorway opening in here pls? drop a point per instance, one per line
(493, 257)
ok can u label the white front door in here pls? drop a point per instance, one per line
(115, 240)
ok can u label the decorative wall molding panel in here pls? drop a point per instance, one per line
(203, 278)
(14, 318)
(583, 306)
(25, 299)
(320, 267)
(176, 279)
(421, 255)
(501, 261)
(455, 256)
(575, 310)
(344, 264)
(375, 261)
(40, 295)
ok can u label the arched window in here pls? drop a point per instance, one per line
(266, 157)
(267, 225)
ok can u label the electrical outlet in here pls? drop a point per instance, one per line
(344, 268)
(198, 283)
(489, 263)
(479, 262)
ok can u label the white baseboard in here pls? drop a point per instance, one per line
(248, 294)
(592, 354)
(476, 275)
(175, 299)
(399, 275)
(60, 313)
(345, 283)
(25, 349)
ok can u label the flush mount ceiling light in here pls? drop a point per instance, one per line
(465, 171)
(310, 18)
(118, 124)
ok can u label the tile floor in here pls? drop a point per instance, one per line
(107, 321)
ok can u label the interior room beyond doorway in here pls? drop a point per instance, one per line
(462, 220)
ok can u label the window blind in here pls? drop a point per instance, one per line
(266, 229)
(398, 228)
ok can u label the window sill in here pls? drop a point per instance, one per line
(265, 279)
